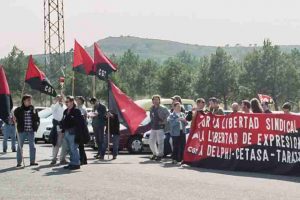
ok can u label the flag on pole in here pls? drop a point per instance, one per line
(265, 98)
(103, 66)
(37, 79)
(5, 97)
(129, 113)
(82, 61)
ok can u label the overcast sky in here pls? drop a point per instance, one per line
(203, 22)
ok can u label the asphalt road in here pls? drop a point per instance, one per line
(135, 177)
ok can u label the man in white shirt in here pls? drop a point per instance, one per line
(56, 134)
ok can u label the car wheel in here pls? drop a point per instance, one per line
(135, 145)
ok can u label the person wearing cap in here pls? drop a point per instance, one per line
(265, 106)
(175, 99)
(286, 107)
(98, 124)
(158, 116)
(214, 107)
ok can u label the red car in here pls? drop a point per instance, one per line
(132, 143)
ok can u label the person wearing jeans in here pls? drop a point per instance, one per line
(158, 115)
(72, 118)
(28, 121)
(177, 123)
(9, 130)
(98, 123)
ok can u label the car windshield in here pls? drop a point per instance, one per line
(45, 113)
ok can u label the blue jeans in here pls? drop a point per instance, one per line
(32, 150)
(9, 131)
(73, 147)
(99, 135)
(115, 140)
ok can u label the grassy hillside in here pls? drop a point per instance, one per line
(160, 50)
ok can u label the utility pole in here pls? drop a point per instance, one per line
(54, 40)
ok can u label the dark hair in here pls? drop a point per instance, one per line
(255, 106)
(93, 99)
(200, 100)
(25, 97)
(81, 98)
(287, 105)
(246, 103)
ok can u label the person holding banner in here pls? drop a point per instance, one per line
(246, 106)
(265, 107)
(214, 107)
(255, 106)
(28, 121)
(9, 130)
(287, 108)
(177, 123)
(158, 115)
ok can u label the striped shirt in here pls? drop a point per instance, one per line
(28, 121)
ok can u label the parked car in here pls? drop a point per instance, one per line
(132, 143)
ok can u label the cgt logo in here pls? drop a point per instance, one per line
(192, 150)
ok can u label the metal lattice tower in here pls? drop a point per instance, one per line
(54, 38)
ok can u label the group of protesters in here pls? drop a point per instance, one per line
(175, 121)
(70, 132)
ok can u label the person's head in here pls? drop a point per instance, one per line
(246, 106)
(176, 98)
(26, 100)
(200, 103)
(255, 106)
(80, 100)
(213, 102)
(70, 102)
(177, 107)
(156, 100)
(235, 107)
(265, 106)
(286, 107)
(59, 99)
(93, 100)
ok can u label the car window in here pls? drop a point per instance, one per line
(188, 107)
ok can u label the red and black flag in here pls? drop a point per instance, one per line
(82, 61)
(37, 79)
(103, 65)
(6, 103)
(130, 114)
